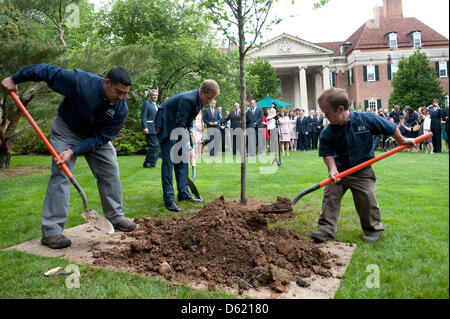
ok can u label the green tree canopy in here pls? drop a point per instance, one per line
(265, 77)
(416, 83)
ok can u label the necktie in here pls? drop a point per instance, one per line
(235, 113)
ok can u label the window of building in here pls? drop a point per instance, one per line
(332, 79)
(394, 69)
(350, 76)
(443, 69)
(446, 101)
(392, 40)
(372, 104)
(417, 39)
(371, 73)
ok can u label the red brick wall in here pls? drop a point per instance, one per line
(362, 90)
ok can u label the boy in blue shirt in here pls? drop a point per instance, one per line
(347, 142)
(90, 116)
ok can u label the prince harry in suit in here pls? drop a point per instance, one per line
(178, 113)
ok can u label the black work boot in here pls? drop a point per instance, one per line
(56, 241)
(125, 226)
(320, 236)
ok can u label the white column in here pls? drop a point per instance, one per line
(296, 88)
(326, 77)
(303, 89)
(318, 87)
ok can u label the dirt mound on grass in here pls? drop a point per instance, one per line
(224, 244)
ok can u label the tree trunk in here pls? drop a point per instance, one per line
(5, 159)
(243, 100)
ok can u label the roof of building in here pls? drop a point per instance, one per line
(371, 35)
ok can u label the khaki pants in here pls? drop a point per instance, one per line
(362, 186)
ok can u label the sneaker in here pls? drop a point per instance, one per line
(371, 238)
(125, 226)
(320, 236)
(56, 241)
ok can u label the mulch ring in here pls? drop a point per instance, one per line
(225, 243)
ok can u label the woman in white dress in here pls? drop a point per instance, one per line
(198, 134)
(294, 136)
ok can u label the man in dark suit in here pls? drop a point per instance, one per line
(250, 131)
(173, 118)
(235, 122)
(436, 117)
(211, 118)
(314, 129)
(258, 126)
(302, 129)
(222, 129)
(148, 115)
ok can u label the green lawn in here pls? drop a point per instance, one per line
(412, 256)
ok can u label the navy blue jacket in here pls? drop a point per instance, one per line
(302, 126)
(148, 116)
(84, 108)
(179, 111)
(208, 118)
(257, 117)
(351, 144)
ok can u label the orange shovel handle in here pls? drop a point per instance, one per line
(39, 132)
(375, 159)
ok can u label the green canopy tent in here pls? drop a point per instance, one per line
(268, 101)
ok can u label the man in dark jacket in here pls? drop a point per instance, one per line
(302, 129)
(211, 118)
(173, 118)
(90, 116)
(148, 115)
(436, 125)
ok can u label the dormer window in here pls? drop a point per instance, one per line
(392, 40)
(417, 39)
(343, 49)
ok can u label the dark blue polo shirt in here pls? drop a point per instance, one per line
(84, 108)
(351, 144)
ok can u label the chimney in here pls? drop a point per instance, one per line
(378, 13)
(392, 9)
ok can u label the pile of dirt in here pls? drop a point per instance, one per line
(225, 243)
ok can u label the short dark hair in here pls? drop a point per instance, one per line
(119, 75)
(335, 97)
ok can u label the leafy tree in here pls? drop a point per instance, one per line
(266, 79)
(415, 83)
(20, 45)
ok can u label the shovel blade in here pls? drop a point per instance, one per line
(193, 188)
(98, 221)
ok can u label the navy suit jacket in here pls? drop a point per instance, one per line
(208, 118)
(179, 111)
(148, 116)
(302, 126)
(436, 116)
(257, 117)
(249, 119)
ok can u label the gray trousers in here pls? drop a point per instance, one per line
(362, 185)
(104, 166)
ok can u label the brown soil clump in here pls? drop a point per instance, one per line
(223, 244)
(282, 205)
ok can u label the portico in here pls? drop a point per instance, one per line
(302, 67)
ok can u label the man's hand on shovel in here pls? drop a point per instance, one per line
(65, 157)
(8, 85)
